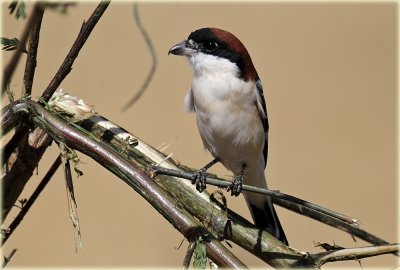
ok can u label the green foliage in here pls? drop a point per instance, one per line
(11, 44)
(19, 7)
(200, 255)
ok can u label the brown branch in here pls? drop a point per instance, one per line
(27, 206)
(222, 223)
(217, 223)
(83, 35)
(136, 178)
(30, 65)
(21, 167)
(27, 159)
(11, 66)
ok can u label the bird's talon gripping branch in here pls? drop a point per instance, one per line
(199, 178)
(236, 186)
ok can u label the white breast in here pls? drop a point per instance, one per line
(227, 115)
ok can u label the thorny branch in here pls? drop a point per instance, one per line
(174, 212)
(28, 158)
(287, 257)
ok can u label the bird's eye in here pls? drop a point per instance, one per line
(211, 45)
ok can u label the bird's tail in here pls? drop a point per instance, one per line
(263, 212)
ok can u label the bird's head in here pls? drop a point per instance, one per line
(215, 49)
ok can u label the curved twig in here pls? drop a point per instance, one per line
(153, 59)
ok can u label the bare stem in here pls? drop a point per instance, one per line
(30, 65)
(83, 35)
(11, 66)
(32, 199)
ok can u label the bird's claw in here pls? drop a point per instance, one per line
(199, 178)
(236, 186)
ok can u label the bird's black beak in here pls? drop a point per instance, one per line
(183, 48)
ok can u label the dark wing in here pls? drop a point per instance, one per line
(262, 108)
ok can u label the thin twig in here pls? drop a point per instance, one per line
(8, 258)
(297, 205)
(11, 66)
(14, 224)
(83, 35)
(153, 55)
(277, 194)
(354, 253)
(30, 65)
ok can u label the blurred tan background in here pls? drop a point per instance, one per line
(329, 75)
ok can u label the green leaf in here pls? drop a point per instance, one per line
(200, 255)
(11, 44)
(19, 7)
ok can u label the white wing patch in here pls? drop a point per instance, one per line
(260, 100)
(188, 103)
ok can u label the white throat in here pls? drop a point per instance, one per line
(210, 65)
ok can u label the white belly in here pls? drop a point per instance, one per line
(229, 122)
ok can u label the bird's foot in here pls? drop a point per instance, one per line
(199, 178)
(236, 186)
